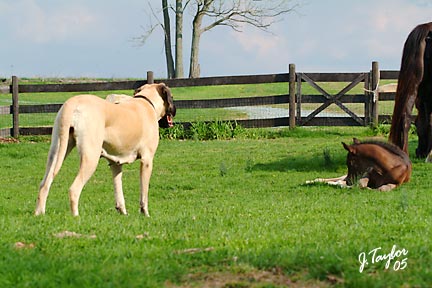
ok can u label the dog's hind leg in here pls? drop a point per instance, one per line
(145, 171)
(47, 180)
(116, 170)
(88, 165)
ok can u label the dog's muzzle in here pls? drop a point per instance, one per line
(168, 120)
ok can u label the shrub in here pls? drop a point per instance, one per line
(217, 130)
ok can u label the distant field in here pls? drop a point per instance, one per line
(189, 93)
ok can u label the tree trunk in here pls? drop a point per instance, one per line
(179, 71)
(194, 69)
(167, 32)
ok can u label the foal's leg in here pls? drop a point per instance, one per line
(331, 181)
(387, 187)
(117, 173)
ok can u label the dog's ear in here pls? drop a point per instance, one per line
(165, 92)
(137, 90)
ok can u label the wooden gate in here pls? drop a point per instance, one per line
(312, 78)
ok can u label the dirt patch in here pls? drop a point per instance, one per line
(71, 234)
(252, 279)
(23, 245)
(8, 140)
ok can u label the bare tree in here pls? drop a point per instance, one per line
(234, 14)
(208, 14)
(179, 71)
(167, 33)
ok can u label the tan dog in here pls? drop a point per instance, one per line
(121, 133)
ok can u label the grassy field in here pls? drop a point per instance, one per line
(232, 213)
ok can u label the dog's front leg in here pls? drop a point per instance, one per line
(145, 171)
(117, 174)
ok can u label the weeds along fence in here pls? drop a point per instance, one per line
(305, 108)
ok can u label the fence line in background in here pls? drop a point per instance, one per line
(294, 98)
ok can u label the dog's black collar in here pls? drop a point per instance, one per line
(145, 98)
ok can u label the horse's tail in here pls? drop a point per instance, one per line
(410, 76)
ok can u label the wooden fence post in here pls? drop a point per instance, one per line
(150, 77)
(15, 107)
(368, 100)
(375, 97)
(292, 96)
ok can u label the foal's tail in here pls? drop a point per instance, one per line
(410, 76)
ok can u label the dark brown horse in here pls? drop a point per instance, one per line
(375, 165)
(414, 87)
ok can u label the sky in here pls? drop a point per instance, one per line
(98, 38)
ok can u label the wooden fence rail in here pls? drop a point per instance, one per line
(294, 97)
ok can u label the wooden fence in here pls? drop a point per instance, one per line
(294, 97)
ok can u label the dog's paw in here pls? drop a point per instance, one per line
(122, 210)
(145, 212)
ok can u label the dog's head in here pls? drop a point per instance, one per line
(170, 109)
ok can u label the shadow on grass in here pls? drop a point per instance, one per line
(300, 164)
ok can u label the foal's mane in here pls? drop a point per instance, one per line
(389, 147)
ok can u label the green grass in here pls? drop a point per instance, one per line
(241, 204)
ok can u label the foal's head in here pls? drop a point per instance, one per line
(357, 163)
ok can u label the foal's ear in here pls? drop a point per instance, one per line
(356, 141)
(348, 147)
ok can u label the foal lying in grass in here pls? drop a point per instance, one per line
(377, 165)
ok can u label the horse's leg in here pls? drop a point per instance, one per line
(423, 120)
(407, 121)
(422, 125)
(426, 92)
(429, 129)
(429, 156)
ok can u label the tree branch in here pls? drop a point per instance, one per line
(246, 12)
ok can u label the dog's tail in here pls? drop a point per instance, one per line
(61, 143)
(64, 143)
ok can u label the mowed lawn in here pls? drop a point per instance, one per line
(232, 213)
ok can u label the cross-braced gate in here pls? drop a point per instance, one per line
(353, 78)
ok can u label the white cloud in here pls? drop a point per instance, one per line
(259, 42)
(42, 24)
(390, 23)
